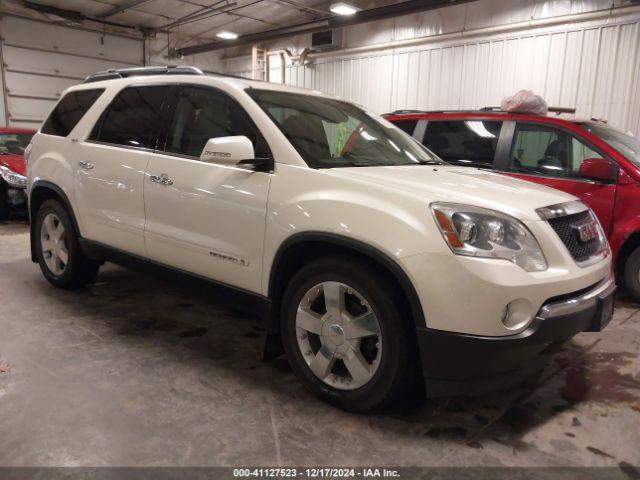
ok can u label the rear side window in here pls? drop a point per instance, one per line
(407, 126)
(465, 142)
(133, 117)
(69, 111)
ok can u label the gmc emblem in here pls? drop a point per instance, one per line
(586, 232)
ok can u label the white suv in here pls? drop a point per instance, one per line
(377, 263)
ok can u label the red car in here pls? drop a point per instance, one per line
(13, 170)
(586, 158)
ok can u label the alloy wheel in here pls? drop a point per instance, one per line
(53, 244)
(338, 335)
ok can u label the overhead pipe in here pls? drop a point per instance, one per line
(363, 16)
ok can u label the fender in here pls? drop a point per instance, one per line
(360, 247)
(43, 184)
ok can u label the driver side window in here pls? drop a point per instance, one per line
(548, 152)
(203, 113)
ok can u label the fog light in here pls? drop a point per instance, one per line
(517, 314)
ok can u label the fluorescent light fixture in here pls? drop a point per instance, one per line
(227, 35)
(343, 9)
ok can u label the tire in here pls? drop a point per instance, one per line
(4, 208)
(632, 274)
(384, 357)
(73, 270)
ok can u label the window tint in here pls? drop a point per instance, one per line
(407, 126)
(69, 111)
(133, 117)
(472, 142)
(547, 151)
(329, 133)
(204, 113)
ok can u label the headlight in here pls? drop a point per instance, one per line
(479, 232)
(12, 178)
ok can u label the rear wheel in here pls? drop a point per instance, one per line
(58, 251)
(344, 334)
(632, 274)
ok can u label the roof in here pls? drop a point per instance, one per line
(553, 114)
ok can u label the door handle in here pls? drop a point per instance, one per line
(162, 179)
(85, 165)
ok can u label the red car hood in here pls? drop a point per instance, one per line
(15, 163)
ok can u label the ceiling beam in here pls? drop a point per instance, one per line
(122, 8)
(363, 16)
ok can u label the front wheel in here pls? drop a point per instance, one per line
(632, 274)
(57, 249)
(344, 334)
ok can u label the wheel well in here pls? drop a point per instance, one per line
(40, 193)
(294, 254)
(629, 245)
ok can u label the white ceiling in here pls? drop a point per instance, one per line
(239, 16)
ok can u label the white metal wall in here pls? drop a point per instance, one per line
(594, 67)
(40, 60)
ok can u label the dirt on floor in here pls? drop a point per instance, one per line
(133, 370)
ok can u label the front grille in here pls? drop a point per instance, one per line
(565, 227)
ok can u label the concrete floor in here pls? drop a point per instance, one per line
(133, 371)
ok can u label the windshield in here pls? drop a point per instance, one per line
(14, 143)
(626, 144)
(329, 133)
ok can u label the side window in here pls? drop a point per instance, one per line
(204, 113)
(133, 117)
(70, 111)
(471, 143)
(548, 151)
(407, 126)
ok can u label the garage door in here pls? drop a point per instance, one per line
(36, 68)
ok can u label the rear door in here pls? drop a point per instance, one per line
(552, 156)
(469, 143)
(111, 167)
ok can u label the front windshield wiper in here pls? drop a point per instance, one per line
(428, 162)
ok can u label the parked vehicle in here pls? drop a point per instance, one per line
(13, 180)
(374, 261)
(586, 158)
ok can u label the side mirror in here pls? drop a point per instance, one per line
(597, 169)
(234, 151)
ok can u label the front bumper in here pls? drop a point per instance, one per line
(15, 198)
(461, 364)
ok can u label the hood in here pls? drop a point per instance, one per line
(465, 185)
(14, 163)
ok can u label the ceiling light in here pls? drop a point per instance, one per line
(343, 9)
(227, 35)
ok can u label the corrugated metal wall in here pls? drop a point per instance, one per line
(594, 68)
(40, 60)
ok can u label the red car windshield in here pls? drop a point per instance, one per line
(626, 144)
(14, 143)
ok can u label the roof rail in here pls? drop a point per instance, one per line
(141, 71)
(559, 110)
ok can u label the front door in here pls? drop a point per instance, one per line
(551, 156)
(201, 217)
